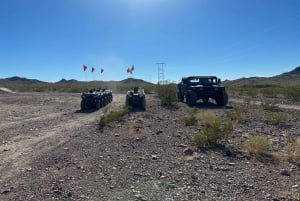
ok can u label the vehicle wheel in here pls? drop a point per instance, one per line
(98, 104)
(180, 97)
(191, 98)
(143, 105)
(222, 99)
(82, 105)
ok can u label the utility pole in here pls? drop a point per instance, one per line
(161, 77)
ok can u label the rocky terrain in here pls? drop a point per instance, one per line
(50, 150)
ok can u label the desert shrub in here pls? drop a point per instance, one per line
(235, 114)
(145, 115)
(190, 119)
(292, 93)
(270, 106)
(252, 92)
(167, 94)
(213, 133)
(207, 118)
(201, 140)
(257, 145)
(294, 151)
(269, 92)
(113, 116)
(276, 118)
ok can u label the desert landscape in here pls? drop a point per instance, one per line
(51, 150)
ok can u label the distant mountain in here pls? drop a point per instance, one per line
(67, 81)
(134, 81)
(285, 79)
(20, 80)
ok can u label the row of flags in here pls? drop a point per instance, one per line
(129, 70)
(92, 69)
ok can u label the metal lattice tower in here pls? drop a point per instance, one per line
(161, 77)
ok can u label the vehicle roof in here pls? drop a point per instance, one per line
(192, 77)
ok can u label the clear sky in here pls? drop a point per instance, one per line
(52, 39)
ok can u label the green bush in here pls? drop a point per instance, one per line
(276, 118)
(292, 93)
(201, 140)
(257, 145)
(213, 133)
(113, 116)
(167, 94)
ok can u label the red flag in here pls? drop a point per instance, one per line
(101, 70)
(129, 70)
(132, 68)
(84, 67)
(93, 69)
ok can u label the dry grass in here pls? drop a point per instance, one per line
(257, 145)
(207, 118)
(293, 151)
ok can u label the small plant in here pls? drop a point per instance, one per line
(167, 94)
(294, 151)
(270, 106)
(276, 118)
(113, 116)
(201, 140)
(191, 118)
(257, 145)
(213, 133)
(207, 118)
(145, 115)
(235, 114)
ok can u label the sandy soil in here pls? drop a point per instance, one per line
(50, 150)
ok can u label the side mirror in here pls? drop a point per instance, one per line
(219, 81)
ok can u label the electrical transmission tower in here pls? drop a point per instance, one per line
(161, 77)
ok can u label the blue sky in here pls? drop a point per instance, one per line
(52, 39)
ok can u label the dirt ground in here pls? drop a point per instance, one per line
(50, 150)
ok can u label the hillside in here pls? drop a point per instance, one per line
(291, 78)
(20, 84)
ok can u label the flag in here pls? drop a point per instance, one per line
(84, 67)
(132, 68)
(129, 70)
(93, 69)
(101, 70)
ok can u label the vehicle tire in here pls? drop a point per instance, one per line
(191, 98)
(82, 105)
(143, 104)
(180, 97)
(98, 104)
(222, 98)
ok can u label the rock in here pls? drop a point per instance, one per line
(182, 145)
(116, 135)
(295, 186)
(154, 157)
(6, 191)
(285, 172)
(188, 151)
(158, 132)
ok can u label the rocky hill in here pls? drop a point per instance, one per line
(291, 78)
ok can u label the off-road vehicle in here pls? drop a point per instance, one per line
(95, 98)
(135, 98)
(194, 88)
